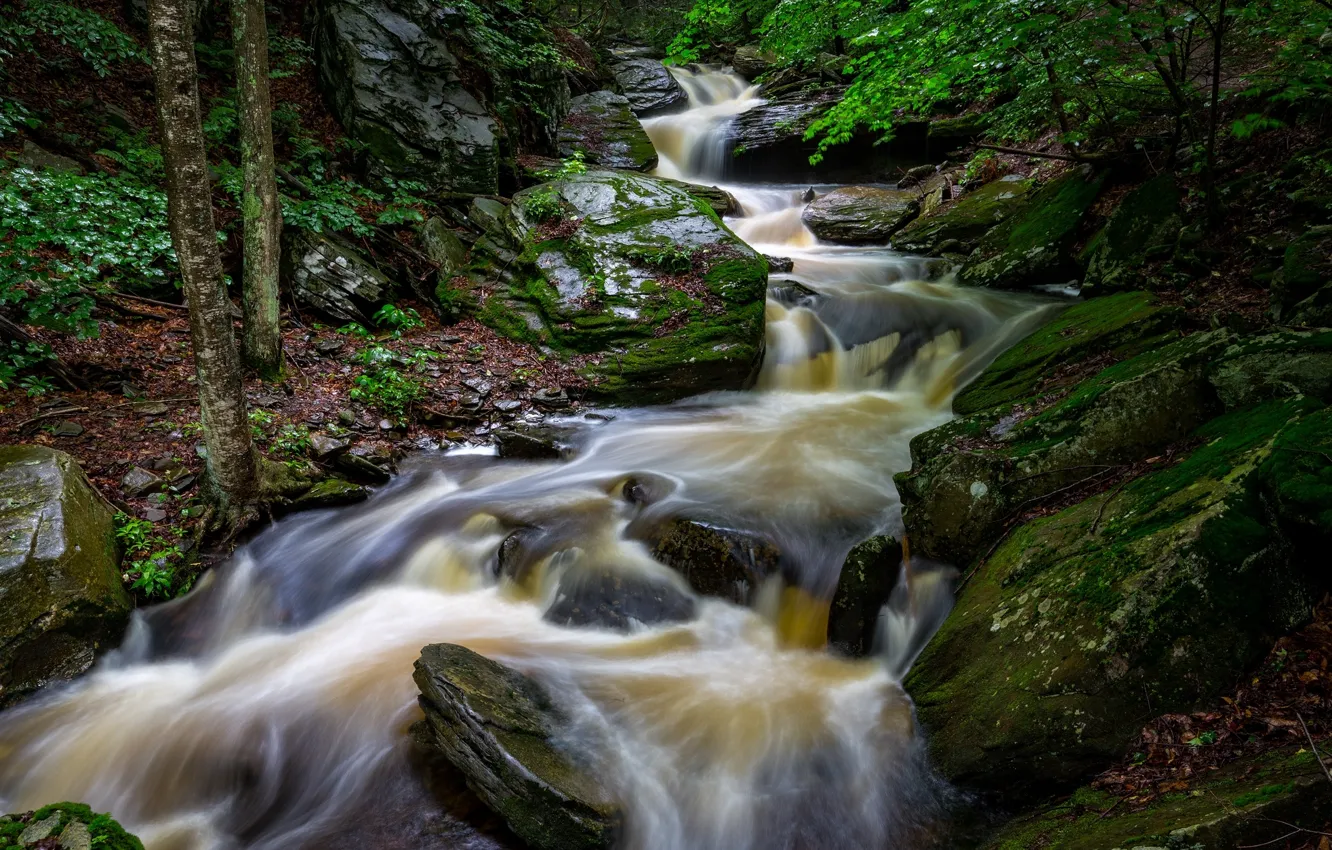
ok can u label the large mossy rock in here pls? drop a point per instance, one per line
(1306, 269)
(1254, 802)
(751, 60)
(956, 227)
(1035, 246)
(390, 78)
(1144, 227)
(61, 598)
(501, 730)
(1151, 598)
(68, 826)
(638, 274)
(860, 214)
(325, 273)
(649, 87)
(604, 128)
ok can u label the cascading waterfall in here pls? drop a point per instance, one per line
(269, 708)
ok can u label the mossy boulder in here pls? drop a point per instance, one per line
(68, 826)
(604, 128)
(1035, 246)
(638, 275)
(956, 226)
(1273, 366)
(63, 602)
(501, 730)
(392, 81)
(972, 475)
(1144, 227)
(1253, 802)
(1150, 598)
(860, 214)
(948, 134)
(1307, 267)
(1314, 311)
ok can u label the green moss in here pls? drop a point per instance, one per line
(967, 219)
(106, 834)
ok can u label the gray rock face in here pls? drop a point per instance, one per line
(719, 562)
(603, 126)
(649, 87)
(393, 83)
(955, 227)
(750, 61)
(61, 599)
(860, 214)
(328, 275)
(499, 728)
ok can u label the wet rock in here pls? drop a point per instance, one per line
(644, 254)
(525, 441)
(66, 428)
(721, 201)
(1306, 267)
(948, 134)
(860, 214)
(328, 275)
(965, 220)
(1273, 366)
(916, 176)
(1034, 246)
(442, 245)
(358, 468)
(38, 830)
(59, 576)
(768, 141)
(331, 493)
(155, 515)
(501, 730)
(322, 446)
(750, 61)
(1144, 227)
(779, 265)
(39, 159)
(66, 826)
(863, 588)
(715, 561)
(392, 81)
(603, 126)
(618, 600)
(648, 86)
(140, 482)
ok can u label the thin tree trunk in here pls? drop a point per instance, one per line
(232, 463)
(1056, 93)
(261, 214)
(1214, 114)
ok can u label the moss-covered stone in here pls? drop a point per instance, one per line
(1142, 228)
(1274, 366)
(1157, 593)
(958, 225)
(947, 134)
(719, 562)
(1249, 803)
(61, 598)
(604, 128)
(863, 588)
(860, 214)
(69, 826)
(1035, 246)
(500, 729)
(638, 274)
(1306, 268)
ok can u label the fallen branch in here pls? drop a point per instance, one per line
(66, 411)
(1062, 157)
(131, 311)
(1314, 747)
(140, 298)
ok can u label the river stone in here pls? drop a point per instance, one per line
(648, 86)
(59, 572)
(768, 141)
(501, 730)
(1307, 266)
(1149, 599)
(965, 220)
(720, 562)
(605, 129)
(863, 588)
(1144, 227)
(721, 201)
(1034, 246)
(620, 601)
(632, 256)
(330, 493)
(327, 274)
(393, 83)
(860, 214)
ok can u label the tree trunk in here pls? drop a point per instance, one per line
(261, 214)
(232, 464)
(1214, 114)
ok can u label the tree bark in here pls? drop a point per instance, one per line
(232, 462)
(1214, 113)
(261, 213)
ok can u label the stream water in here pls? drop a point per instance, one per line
(269, 708)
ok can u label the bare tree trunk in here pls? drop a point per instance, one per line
(261, 214)
(1214, 114)
(232, 463)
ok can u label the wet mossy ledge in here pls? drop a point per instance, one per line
(1139, 510)
(69, 826)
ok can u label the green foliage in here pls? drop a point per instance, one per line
(137, 155)
(508, 37)
(544, 204)
(151, 559)
(396, 319)
(670, 260)
(352, 329)
(387, 389)
(292, 440)
(97, 41)
(14, 115)
(287, 56)
(570, 166)
(64, 235)
(16, 357)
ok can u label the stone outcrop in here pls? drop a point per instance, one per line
(501, 730)
(602, 126)
(327, 274)
(955, 227)
(860, 214)
(647, 84)
(1144, 227)
(63, 602)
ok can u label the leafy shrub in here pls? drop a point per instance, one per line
(63, 235)
(388, 390)
(97, 41)
(544, 204)
(397, 319)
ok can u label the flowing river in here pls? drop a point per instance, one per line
(270, 707)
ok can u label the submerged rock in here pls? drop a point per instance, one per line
(647, 84)
(618, 600)
(326, 274)
(604, 128)
(501, 730)
(860, 214)
(63, 602)
(1035, 246)
(638, 274)
(1144, 227)
(67, 826)
(718, 562)
(392, 81)
(955, 227)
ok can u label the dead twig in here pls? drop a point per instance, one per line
(1062, 157)
(1314, 747)
(52, 415)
